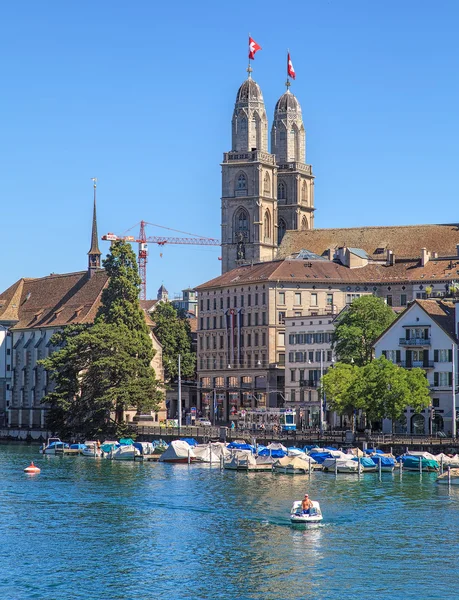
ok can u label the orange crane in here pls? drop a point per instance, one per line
(143, 241)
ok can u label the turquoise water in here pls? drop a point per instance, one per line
(98, 529)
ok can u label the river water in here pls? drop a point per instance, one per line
(105, 530)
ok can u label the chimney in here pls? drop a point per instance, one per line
(435, 254)
(424, 257)
(390, 259)
(457, 249)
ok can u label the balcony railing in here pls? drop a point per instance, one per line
(309, 383)
(429, 364)
(414, 342)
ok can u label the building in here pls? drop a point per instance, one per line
(31, 311)
(308, 356)
(275, 265)
(187, 302)
(263, 193)
(425, 336)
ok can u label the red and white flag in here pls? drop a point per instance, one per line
(290, 69)
(253, 48)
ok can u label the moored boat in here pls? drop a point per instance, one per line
(293, 465)
(54, 445)
(125, 452)
(411, 462)
(178, 451)
(449, 478)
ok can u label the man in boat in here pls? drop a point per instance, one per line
(306, 504)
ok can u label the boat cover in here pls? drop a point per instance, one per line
(190, 441)
(177, 450)
(412, 462)
(77, 446)
(386, 461)
(374, 450)
(238, 446)
(276, 446)
(319, 457)
(274, 453)
(126, 442)
(365, 461)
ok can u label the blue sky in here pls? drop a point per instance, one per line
(140, 95)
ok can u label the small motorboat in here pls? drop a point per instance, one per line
(54, 445)
(314, 515)
(451, 478)
(91, 449)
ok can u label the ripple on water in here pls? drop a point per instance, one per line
(100, 529)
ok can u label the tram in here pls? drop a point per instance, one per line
(268, 419)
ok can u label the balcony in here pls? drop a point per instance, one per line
(414, 364)
(414, 342)
(309, 383)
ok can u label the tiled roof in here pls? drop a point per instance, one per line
(404, 241)
(53, 301)
(329, 271)
(147, 304)
(442, 312)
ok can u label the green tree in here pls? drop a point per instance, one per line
(358, 328)
(174, 334)
(104, 368)
(342, 386)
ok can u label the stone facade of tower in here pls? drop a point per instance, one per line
(263, 193)
(249, 213)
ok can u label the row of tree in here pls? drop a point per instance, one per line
(377, 387)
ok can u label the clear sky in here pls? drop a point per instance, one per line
(140, 94)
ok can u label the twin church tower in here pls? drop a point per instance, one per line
(264, 193)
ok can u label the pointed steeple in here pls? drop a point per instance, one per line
(94, 253)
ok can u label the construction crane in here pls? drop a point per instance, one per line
(143, 242)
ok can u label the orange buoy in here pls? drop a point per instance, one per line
(32, 469)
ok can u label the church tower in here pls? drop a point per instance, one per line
(249, 183)
(295, 181)
(94, 253)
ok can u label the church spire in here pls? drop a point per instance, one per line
(94, 253)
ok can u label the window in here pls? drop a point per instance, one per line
(214, 343)
(207, 343)
(313, 299)
(281, 228)
(201, 343)
(281, 338)
(208, 322)
(281, 191)
(267, 225)
(292, 374)
(242, 300)
(436, 402)
(304, 192)
(249, 319)
(263, 339)
(256, 340)
(351, 297)
(281, 317)
(256, 318)
(221, 321)
(389, 299)
(281, 360)
(215, 303)
(267, 184)
(256, 299)
(221, 303)
(329, 299)
(393, 355)
(215, 322)
(249, 300)
(403, 300)
(208, 303)
(263, 298)
(249, 360)
(311, 356)
(293, 395)
(249, 339)
(241, 182)
(202, 305)
(263, 318)
(329, 356)
(297, 297)
(242, 221)
(281, 297)
(227, 302)
(291, 357)
(443, 355)
(221, 342)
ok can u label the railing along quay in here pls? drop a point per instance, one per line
(300, 438)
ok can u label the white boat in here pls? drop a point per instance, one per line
(91, 449)
(342, 465)
(451, 479)
(209, 453)
(178, 451)
(313, 516)
(293, 465)
(125, 453)
(53, 444)
(447, 461)
(239, 460)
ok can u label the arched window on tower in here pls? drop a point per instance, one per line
(267, 225)
(281, 191)
(267, 184)
(241, 224)
(304, 224)
(281, 230)
(241, 184)
(304, 192)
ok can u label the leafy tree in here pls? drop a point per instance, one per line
(380, 389)
(105, 367)
(342, 386)
(366, 318)
(172, 329)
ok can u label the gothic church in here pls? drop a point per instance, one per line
(264, 193)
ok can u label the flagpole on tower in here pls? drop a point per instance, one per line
(249, 68)
(287, 83)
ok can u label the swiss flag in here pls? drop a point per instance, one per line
(253, 47)
(290, 69)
